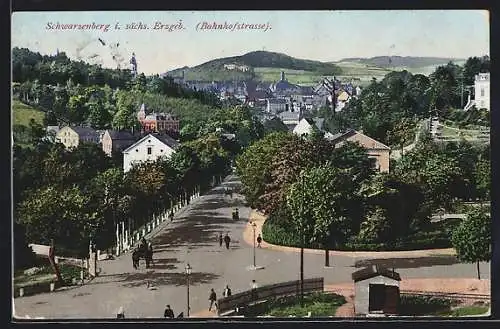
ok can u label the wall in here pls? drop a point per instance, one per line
(68, 137)
(361, 292)
(139, 152)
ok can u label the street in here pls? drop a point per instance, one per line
(193, 238)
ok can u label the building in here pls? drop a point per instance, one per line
(306, 126)
(71, 137)
(379, 153)
(116, 141)
(290, 118)
(158, 122)
(376, 291)
(149, 148)
(133, 65)
(276, 105)
(482, 91)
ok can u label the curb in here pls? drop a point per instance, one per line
(259, 219)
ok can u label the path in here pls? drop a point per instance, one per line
(192, 238)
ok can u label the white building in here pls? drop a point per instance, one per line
(305, 126)
(482, 91)
(276, 105)
(149, 148)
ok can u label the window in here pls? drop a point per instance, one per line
(482, 92)
(149, 150)
(161, 150)
(137, 150)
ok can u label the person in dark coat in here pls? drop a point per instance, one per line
(227, 240)
(171, 216)
(221, 239)
(168, 313)
(259, 240)
(227, 291)
(135, 258)
(213, 299)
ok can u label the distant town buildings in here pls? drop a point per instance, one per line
(243, 68)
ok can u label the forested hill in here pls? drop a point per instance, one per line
(257, 59)
(402, 61)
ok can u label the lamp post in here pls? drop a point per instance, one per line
(188, 273)
(254, 226)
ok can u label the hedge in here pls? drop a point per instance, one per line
(275, 234)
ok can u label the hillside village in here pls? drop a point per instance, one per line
(119, 156)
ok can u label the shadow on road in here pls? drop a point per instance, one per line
(162, 279)
(409, 262)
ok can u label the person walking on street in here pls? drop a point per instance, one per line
(213, 299)
(168, 313)
(254, 290)
(227, 240)
(227, 291)
(221, 239)
(171, 216)
(259, 240)
(121, 313)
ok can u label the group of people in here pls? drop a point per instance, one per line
(212, 298)
(226, 239)
(145, 250)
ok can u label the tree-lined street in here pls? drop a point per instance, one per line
(193, 238)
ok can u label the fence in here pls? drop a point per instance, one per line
(447, 295)
(265, 292)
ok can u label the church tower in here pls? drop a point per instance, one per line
(141, 115)
(133, 65)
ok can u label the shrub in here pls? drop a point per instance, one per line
(423, 305)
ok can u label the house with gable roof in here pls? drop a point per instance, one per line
(116, 140)
(378, 152)
(71, 137)
(149, 148)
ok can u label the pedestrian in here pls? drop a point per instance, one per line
(227, 291)
(254, 289)
(259, 240)
(135, 258)
(221, 239)
(171, 216)
(121, 313)
(169, 313)
(227, 240)
(213, 299)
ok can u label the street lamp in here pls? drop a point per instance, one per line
(188, 273)
(254, 226)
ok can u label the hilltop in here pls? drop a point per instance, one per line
(254, 61)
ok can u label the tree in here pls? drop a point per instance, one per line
(60, 214)
(318, 202)
(472, 238)
(402, 133)
(483, 178)
(254, 165)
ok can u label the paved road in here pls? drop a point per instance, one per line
(192, 238)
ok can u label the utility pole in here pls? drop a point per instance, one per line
(302, 249)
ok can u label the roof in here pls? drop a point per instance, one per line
(120, 135)
(277, 100)
(286, 116)
(374, 271)
(351, 132)
(85, 132)
(165, 139)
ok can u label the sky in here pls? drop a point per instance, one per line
(316, 35)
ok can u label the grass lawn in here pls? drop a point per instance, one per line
(23, 113)
(319, 304)
(68, 272)
(465, 311)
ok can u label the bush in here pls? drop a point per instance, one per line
(414, 305)
(276, 234)
(319, 304)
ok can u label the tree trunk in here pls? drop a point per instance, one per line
(478, 273)
(327, 258)
(54, 265)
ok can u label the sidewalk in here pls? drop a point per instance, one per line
(259, 219)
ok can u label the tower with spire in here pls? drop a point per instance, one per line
(133, 65)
